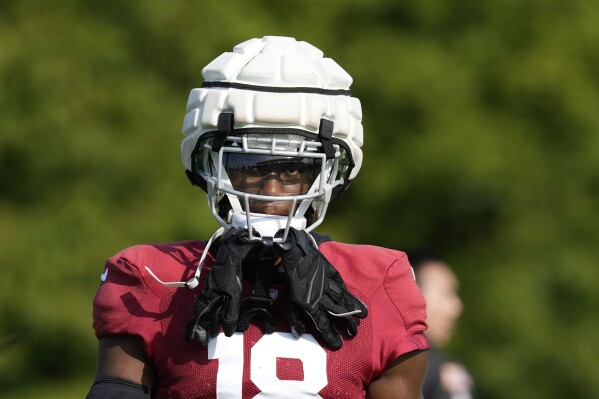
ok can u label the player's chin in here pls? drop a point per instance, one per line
(280, 208)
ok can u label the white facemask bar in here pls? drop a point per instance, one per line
(320, 191)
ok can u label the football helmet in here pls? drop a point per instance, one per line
(272, 107)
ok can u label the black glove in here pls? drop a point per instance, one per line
(315, 286)
(220, 299)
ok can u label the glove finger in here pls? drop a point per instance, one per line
(342, 295)
(327, 330)
(197, 331)
(353, 302)
(360, 305)
(229, 322)
(231, 313)
(229, 327)
(214, 321)
(332, 307)
(351, 325)
(293, 249)
(198, 334)
(336, 309)
(231, 310)
(203, 306)
(204, 320)
(347, 300)
(297, 327)
(190, 329)
(334, 275)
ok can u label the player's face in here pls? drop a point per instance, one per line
(273, 176)
(443, 305)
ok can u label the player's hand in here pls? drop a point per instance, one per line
(315, 286)
(220, 300)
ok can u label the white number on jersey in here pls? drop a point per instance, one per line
(263, 365)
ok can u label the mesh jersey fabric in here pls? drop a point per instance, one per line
(250, 364)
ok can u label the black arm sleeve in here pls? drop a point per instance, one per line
(118, 389)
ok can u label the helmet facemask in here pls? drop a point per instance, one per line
(241, 172)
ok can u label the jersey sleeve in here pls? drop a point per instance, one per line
(123, 304)
(399, 300)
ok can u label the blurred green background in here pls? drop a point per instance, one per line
(481, 128)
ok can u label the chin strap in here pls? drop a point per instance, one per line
(325, 133)
(195, 280)
(261, 298)
(263, 274)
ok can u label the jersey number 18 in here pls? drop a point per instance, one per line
(263, 365)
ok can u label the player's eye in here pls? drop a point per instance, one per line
(255, 171)
(292, 169)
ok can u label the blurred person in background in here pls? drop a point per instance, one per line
(272, 136)
(445, 378)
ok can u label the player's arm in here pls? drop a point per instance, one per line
(403, 379)
(123, 371)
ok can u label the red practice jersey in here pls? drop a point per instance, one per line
(253, 364)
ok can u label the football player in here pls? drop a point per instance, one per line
(266, 308)
(446, 378)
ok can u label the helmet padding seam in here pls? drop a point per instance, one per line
(277, 89)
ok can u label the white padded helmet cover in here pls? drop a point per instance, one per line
(277, 62)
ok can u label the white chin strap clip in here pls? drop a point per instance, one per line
(267, 225)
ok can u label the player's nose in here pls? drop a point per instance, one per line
(271, 185)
